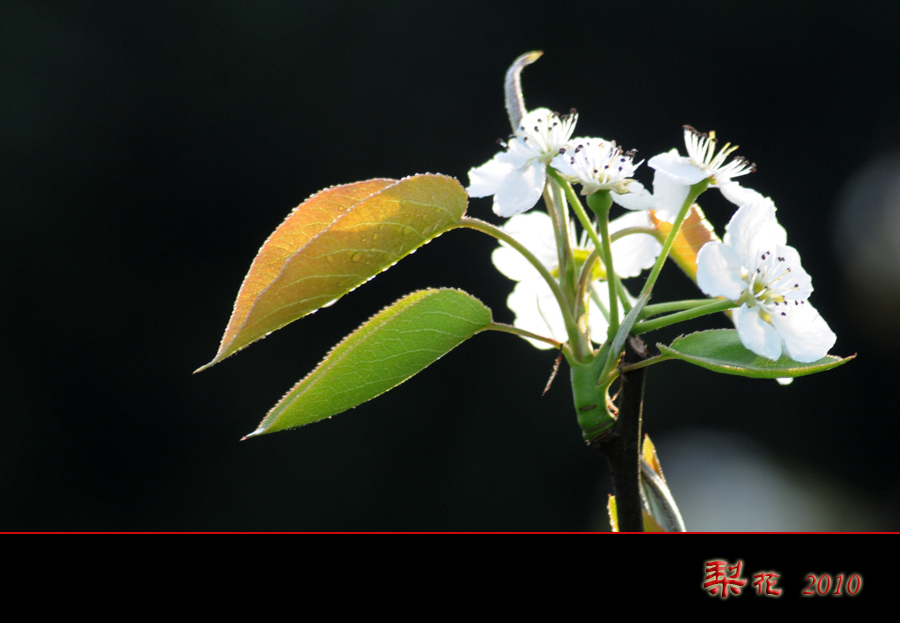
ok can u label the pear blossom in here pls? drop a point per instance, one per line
(675, 174)
(598, 165)
(535, 307)
(754, 266)
(516, 177)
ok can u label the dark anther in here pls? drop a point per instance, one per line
(746, 163)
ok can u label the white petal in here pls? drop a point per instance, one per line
(806, 335)
(535, 117)
(535, 232)
(637, 198)
(668, 192)
(537, 311)
(520, 190)
(521, 151)
(511, 263)
(757, 334)
(738, 195)
(563, 164)
(678, 167)
(719, 271)
(754, 228)
(634, 252)
(486, 179)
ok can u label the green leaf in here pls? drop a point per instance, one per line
(391, 347)
(721, 350)
(618, 342)
(333, 242)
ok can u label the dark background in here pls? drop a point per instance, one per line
(147, 149)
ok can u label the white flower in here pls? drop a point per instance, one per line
(675, 174)
(755, 267)
(516, 177)
(532, 301)
(598, 165)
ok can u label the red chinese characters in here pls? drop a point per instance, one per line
(723, 579)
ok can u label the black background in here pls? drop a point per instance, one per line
(148, 148)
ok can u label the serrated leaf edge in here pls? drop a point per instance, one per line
(218, 358)
(834, 361)
(426, 293)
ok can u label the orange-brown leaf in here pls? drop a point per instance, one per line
(695, 232)
(334, 241)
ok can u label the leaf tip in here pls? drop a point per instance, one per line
(215, 360)
(259, 431)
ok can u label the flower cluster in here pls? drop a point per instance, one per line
(516, 177)
(753, 267)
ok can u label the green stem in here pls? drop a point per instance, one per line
(628, 231)
(580, 353)
(559, 216)
(645, 363)
(696, 312)
(664, 308)
(600, 203)
(580, 212)
(623, 297)
(591, 400)
(587, 271)
(505, 328)
(603, 246)
(695, 191)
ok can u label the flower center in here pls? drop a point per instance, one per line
(580, 256)
(769, 286)
(547, 134)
